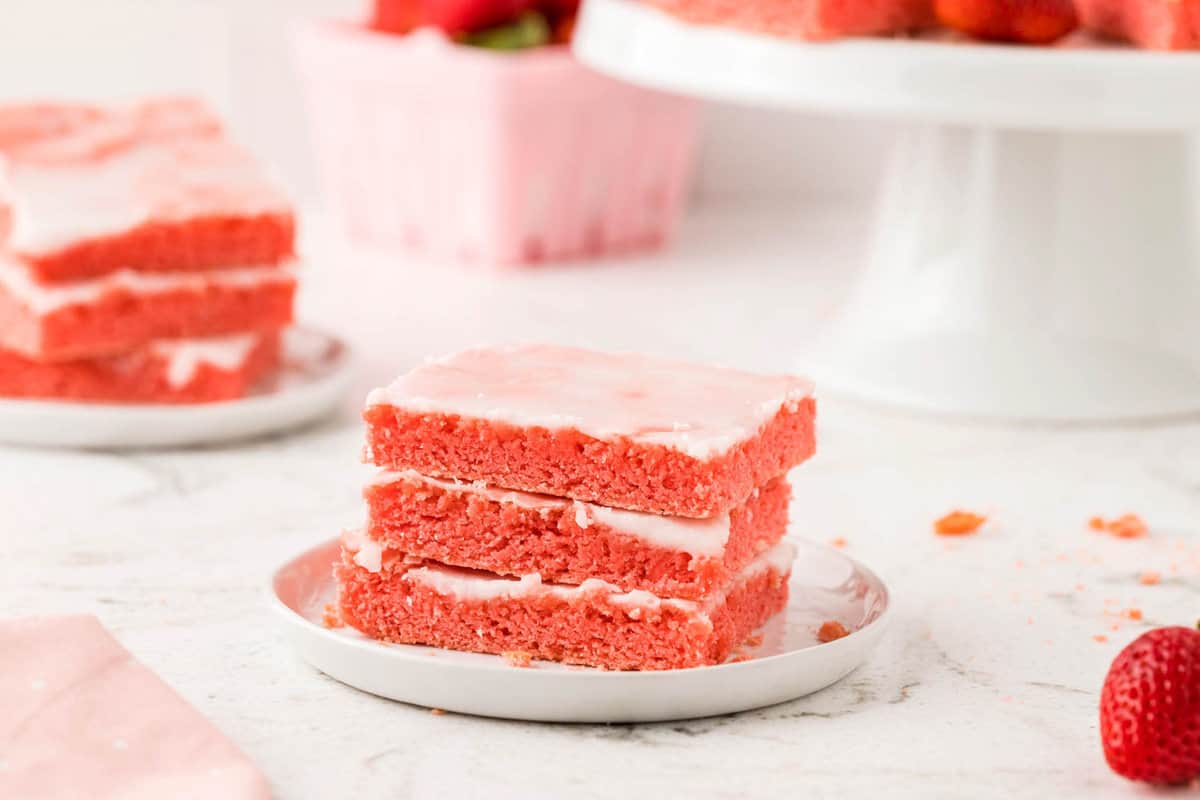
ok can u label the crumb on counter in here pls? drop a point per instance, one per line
(838, 542)
(1132, 613)
(437, 712)
(1149, 578)
(1126, 526)
(958, 523)
(830, 631)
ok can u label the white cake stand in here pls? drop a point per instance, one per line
(1036, 253)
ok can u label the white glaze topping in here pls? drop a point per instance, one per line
(696, 537)
(184, 356)
(368, 553)
(698, 410)
(17, 281)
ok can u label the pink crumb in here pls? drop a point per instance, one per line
(1127, 526)
(831, 630)
(838, 542)
(1149, 578)
(517, 658)
(958, 523)
(1100, 637)
(331, 618)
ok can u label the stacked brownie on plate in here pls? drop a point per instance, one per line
(618, 511)
(143, 256)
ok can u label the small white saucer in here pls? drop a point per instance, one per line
(825, 585)
(313, 379)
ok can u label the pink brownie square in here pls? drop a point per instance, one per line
(398, 599)
(564, 541)
(125, 310)
(626, 431)
(151, 187)
(1153, 24)
(169, 371)
(807, 19)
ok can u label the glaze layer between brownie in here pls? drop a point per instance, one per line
(564, 541)
(593, 624)
(181, 371)
(123, 311)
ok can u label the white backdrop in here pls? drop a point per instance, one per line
(236, 53)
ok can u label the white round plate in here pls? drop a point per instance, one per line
(1081, 83)
(313, 380)
(790, 663)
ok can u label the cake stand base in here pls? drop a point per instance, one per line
(1028, 275)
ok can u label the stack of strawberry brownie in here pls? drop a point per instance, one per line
(143, 256)
(617, 511)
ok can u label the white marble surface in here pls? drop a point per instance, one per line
(985, 687)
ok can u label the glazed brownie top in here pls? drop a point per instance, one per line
(74, 173)
(699, 410)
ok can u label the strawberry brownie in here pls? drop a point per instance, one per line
(169, 371)
(154, 187)
(517, 533)
(626, 431)
(396, 599)
(807, 19)
(124, 310)
(1153, 24)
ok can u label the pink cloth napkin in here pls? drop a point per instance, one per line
(80, 718)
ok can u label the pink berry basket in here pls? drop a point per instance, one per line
(500, 158)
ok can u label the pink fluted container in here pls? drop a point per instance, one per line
(503, 158)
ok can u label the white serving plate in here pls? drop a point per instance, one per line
(789, 663)
(313, 380)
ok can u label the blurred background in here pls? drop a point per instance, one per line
(236, 53)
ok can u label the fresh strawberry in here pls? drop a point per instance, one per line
(466, 16)
(1023, 21)
(1150, 708)
(396, 16)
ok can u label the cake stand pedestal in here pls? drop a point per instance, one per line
(1037, 250)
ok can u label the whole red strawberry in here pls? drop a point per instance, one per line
(452, 16)
(396, 16)
(1150, 708)
(466, 16)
